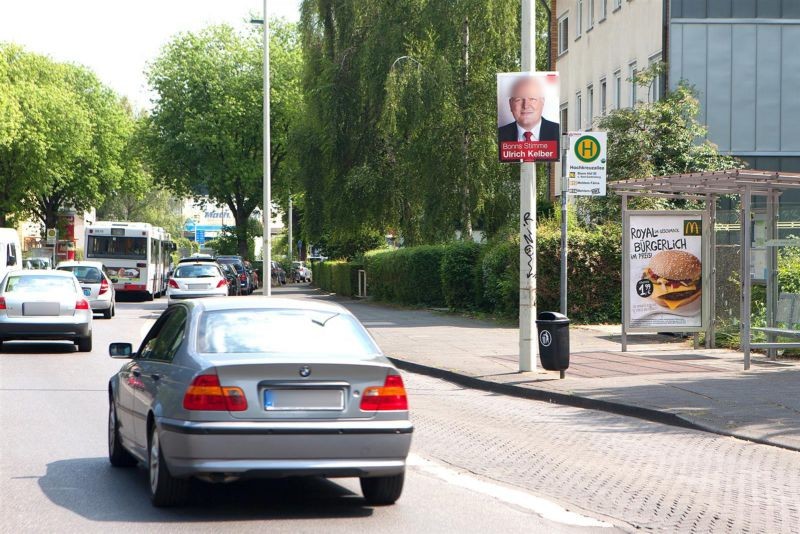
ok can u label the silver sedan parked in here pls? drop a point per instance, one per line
(44, 305)
(97, 286)
(222, 389)
(196, 280)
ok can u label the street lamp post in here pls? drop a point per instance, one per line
(266, 248)
(528, 342)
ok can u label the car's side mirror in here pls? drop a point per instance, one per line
(121, 351)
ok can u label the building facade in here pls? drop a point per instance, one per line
(600, 45)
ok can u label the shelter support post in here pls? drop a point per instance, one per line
(625, 255)
(747, 280)
(772, 268)
(711, 260)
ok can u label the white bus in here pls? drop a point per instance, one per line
(136, 256)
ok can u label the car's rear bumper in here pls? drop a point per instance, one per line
(279, 449)
(185, 295)
(20, 328)
(100, 304)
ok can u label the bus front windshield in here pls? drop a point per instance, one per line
(101, 246)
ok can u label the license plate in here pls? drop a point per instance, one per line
(198, 286)
(87, 291)
(41, 308)
(303, 399)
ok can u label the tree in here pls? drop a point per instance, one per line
(138, 197)
(205, 132)
(60, 147)
(399, 128)
(93, 169)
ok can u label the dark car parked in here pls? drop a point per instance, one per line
(245, 281)
(234, 289)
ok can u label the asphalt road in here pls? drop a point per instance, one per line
(55, 476)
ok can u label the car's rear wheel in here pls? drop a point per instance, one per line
(85, 344)
(382, 490)
(113, 310)
(107, 314)
(165, 490)
(117, 454)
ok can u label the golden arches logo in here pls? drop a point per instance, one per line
(587, 149)
(693, 227)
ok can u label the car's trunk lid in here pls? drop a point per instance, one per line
(298, 389)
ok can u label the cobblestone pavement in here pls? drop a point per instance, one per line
(646, 475)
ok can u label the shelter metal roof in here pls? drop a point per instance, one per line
(699, 184)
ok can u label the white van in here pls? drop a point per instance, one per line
(10, 251)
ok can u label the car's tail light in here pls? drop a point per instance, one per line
(103, 287)
(82, 304)
(3, 303)
(392, 396)
(172, 283)
(222, 283)
(206, 393)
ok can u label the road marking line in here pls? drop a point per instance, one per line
(542, 507)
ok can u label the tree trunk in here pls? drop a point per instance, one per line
(241, 232)
(466, 221)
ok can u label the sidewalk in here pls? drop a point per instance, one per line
(659, 378)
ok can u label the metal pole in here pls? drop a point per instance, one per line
(772, 268)
(527, 205)
(746, 278)
(291, 243)
(564, 242)
(624, 271)
(267, 200)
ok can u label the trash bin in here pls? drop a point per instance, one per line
(553, 331)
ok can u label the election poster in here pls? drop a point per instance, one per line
(527, 116)
(664, 271)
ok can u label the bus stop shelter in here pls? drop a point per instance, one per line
(756, 197)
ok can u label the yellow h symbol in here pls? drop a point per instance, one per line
(587, 148)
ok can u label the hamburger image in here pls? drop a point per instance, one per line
(675, 275)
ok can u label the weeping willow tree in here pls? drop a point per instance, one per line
(399, 129)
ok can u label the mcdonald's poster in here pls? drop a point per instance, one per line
(665, 270)
(586, 164)
(527, 116)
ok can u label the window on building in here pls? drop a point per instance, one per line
(631, 77)
(603, 10)
(563, 34)
(578, 111)
(618, 89)
(589, 106)
(579, 19)
(590, 15)
(617, 4)
(657, 85)
(603, 96)
(563, 117)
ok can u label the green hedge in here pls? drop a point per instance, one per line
(407, 275)
(467, 276)
(337, 276)
(460, 286)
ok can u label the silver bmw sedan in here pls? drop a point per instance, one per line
(226, 388)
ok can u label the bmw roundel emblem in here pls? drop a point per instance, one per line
(305, 371)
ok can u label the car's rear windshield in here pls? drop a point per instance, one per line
(39, 284)
(84, 274)
(236, 264)
(283, 331)
(196, 271)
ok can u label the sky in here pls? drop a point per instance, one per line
(117, 38)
